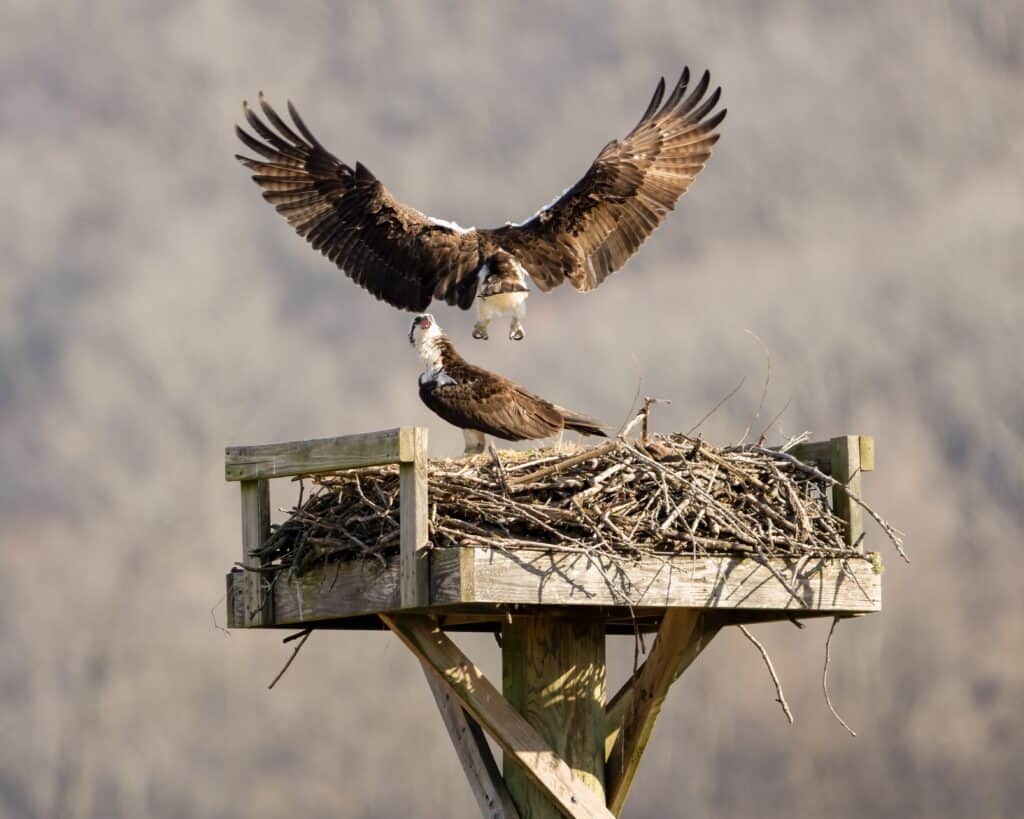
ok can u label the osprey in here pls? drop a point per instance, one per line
(481, 402)
(408, 259)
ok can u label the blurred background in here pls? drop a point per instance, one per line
(862, 215)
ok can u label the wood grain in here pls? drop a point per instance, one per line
(475, 580)
(317, 455)
(534, 576)
(846, 468)
(415, 566)
(257, 602)
(553, 674)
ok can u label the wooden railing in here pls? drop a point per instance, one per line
(254, 466)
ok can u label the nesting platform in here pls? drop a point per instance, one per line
(552, 610)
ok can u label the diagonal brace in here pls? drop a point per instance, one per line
(633, 711)
(474, 753)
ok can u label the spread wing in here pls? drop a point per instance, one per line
(598, 223)
(391, 249)
(494, 405)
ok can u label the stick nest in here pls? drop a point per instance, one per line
(624, 498)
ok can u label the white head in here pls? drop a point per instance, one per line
(425, 335)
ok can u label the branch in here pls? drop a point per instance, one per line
(780, 698)
(824, 681)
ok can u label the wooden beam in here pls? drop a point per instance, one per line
(846, 468)
(415, 565)
(679, 639)
(485, 581)
(317, 455)
(257, 603)
(540, 577)
(620, 707)
(517, 738)
(473, 751)
(553, 674)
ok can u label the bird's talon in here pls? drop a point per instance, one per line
(480, 332)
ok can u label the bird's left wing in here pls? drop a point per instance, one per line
(391, 249)
(598, 223)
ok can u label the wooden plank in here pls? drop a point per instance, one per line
(553, 674)
(473, 751)
(317, 455)
(535, 576)
(680, 638)
(517, 738)
(415, 565)
(846, 469)
(257, 604)
(816, 453)
(337, 590)
(475, 580)
(867, 453)
(621, 705)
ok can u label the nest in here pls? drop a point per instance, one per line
(671, 494)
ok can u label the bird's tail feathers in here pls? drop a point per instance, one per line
(582, 424)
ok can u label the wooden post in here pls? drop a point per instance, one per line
(415, 566)
(257, 603)
(553, 673)
(846, 468)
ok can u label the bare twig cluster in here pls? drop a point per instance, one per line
(670, 494)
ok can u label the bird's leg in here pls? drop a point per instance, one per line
(484, 314)
(475, 441)
(516, 332)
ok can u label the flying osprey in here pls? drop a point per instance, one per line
(481, 402)
(408, 259)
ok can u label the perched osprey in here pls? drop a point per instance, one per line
(481, 402)
(408, 259)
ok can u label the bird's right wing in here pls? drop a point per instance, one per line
(495, 405)
(394, 251)
(596, 225)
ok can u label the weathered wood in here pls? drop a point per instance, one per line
(481, 580)
(680, 638)
(473, 751)
(553, 674)
(846, 468)
(535, 576)
(867, 453)
(317, 455)
(415, 566)
(338, 590)
(258, 608)
(517, 738)
(621, 705)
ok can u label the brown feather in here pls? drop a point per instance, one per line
(594, 228)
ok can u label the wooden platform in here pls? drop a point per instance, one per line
(552, 609)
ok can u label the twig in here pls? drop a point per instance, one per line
(305, 636)
(648, 402)
(824, 680)
(498, 467)
(767, 382)
(780, 698)
(716, 407)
